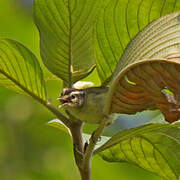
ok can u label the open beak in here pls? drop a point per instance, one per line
(63, 99)
(64, 102)
(59, 98)
(63, 105)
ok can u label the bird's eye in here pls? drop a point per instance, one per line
(73, 96)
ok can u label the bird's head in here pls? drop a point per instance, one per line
(71, 97)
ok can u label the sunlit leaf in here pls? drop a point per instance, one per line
(56, 123)
(158, 40)
(153, 147)
(143, 79)
(66, 36)
(20, 70)
(119, 22)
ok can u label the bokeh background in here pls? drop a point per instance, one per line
(29, 149)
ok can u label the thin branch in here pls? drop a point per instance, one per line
(76, 132)
(58, 114)
(89, 152)
(78, 146)
(83, 160)
(75, 126)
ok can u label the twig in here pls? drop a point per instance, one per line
(89, 152)
(82, 159)
(76, 132)
(58, 114)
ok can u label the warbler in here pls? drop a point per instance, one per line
(85, 104)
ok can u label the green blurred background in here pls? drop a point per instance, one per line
(29, 149)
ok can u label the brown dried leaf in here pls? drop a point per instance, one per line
(149, 66)
(143, 88)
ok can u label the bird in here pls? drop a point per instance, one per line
(86, 104)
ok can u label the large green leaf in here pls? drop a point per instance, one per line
(66, 36)
(20, 70)
(154, 147)
(148, 68)
(119, 22)
(157, 40)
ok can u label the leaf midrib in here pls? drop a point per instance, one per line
(70, 46)
(23, 88)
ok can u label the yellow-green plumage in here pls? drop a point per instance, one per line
(91, 110)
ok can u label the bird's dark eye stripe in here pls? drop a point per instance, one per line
(73, 96)
(66, 91)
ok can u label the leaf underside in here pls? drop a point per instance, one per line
(65, 28)
(118, 23)
(149, 66)
(56, 123)
(20, 70)
(153, 147)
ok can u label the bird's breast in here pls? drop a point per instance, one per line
(92, 109)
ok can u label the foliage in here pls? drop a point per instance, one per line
(152, 147)
(20, 70)
(137, 58)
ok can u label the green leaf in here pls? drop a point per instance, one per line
(20, 70)
(119, 22)
(65, 28)
(148, 68)
(153, 147)
(56, 123)
(157, 40)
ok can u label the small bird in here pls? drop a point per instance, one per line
(85, 104)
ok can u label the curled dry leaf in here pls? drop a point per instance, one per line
(147, 76)
(150, 78)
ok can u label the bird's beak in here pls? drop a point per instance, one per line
(63, 99)
(64, 102)
(63, 105)
(59, 98)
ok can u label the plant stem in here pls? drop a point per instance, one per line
(76, 132)
(58, 114)
(78, 147)
(89, 152)
(86, 175)
(82, 159)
